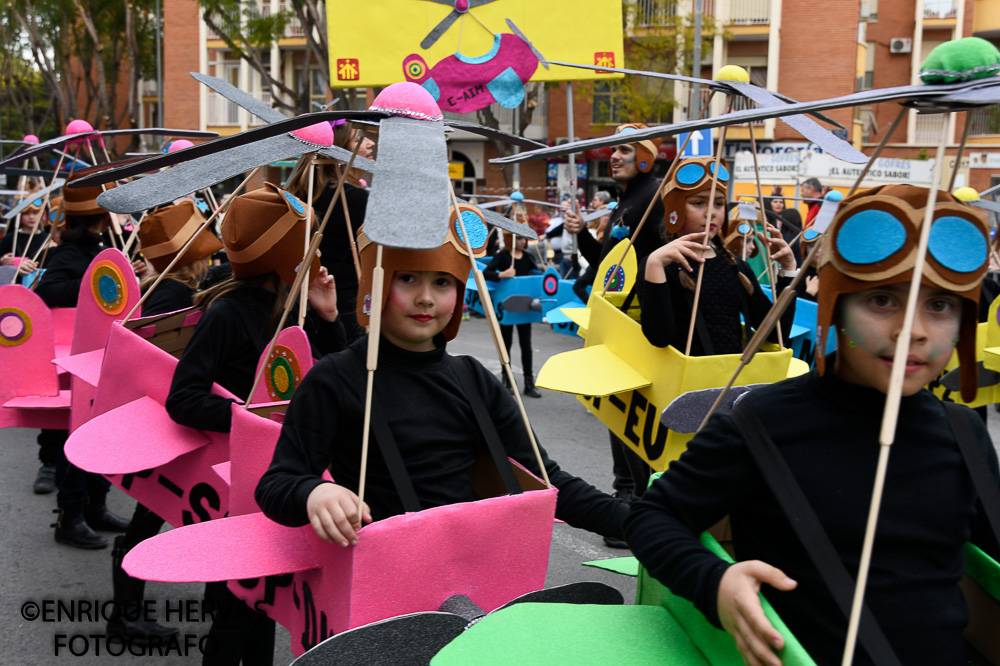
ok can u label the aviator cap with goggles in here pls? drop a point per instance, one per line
(873, 240)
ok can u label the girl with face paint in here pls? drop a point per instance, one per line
(729, 286)
(825, 426)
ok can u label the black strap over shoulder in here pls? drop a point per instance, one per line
(975, 462)
(388, 447)
(808, 529)
(699, 326)
(393, 459)
(486, 426)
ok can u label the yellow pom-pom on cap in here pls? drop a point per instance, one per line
(733, 73)
(966, 194)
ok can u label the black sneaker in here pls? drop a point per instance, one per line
(45, 482)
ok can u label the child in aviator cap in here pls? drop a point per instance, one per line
(426, 396)
(825, 426)
(729, 287)
(264, 233)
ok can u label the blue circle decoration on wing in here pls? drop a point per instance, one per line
(296, 205)
(744, 228)
(476, 228)
(615, 282)
(550, 285)
(810, 235)
(870, 236)
(957, 244)
(723, 172)
(689, 174)
(108, 287)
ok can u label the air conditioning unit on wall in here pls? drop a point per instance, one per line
(900, 45)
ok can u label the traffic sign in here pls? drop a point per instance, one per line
(700, 144)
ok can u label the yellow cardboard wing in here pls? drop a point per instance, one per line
(987, 356)
(626, 382)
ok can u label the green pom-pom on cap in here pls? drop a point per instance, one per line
(961, 60)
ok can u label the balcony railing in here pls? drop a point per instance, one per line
(749, 12)
(985, 121)
(225, 113)
(229, 22)
(294, 26)
(652, 13)
(940, 9)
(929, 128)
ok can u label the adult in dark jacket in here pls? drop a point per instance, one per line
(631, 167)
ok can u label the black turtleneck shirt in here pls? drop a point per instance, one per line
(827, 431)
(433, 425)
(666, 307)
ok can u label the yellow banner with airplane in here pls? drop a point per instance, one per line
(493, 46)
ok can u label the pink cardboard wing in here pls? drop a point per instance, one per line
(85, 366)
(137, 436)
(287, 364)
(26, 351)
(62, 328)
(108, 291)
(239, 547)
(412, 563)
(253, 440)
(184, 490)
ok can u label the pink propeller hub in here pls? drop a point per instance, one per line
(30, 138)
(79, 127)
(407, 99)
(179, 144)
(320, 134)
(461, 6)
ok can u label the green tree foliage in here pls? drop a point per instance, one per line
(658, 38)
(89, 55)
(250, 30)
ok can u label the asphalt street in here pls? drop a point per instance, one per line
(37, 570)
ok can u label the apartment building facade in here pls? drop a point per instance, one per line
(805, 50)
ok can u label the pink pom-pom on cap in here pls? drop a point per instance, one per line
(79, 126)
(320, 134)
(407, 99)
(179, 144)
(30, 138)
